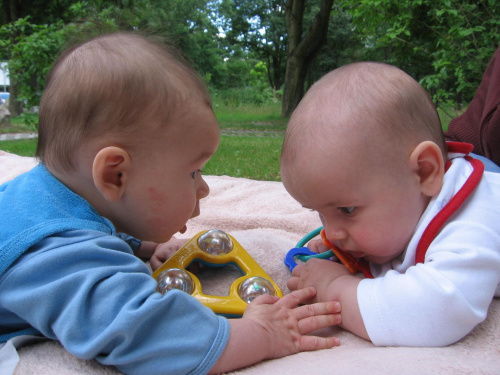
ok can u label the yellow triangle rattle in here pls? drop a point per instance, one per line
(215, 248)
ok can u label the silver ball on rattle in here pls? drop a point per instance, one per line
(215, 242)
(175, 278)
(255, 286)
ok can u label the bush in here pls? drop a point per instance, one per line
(243, 96)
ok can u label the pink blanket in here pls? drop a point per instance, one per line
(267, 222)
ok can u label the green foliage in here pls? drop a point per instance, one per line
(232, 73)
(244, 84)
(258, 75)
(240, 46)
(32, 49)
(235, 97)
(445, 44)
(343, 45)
(258, 26)
(189, 24)
(40, 11)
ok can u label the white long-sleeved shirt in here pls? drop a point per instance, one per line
(439, 301)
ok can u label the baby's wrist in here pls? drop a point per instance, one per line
(339, 285)
(146, 249)
(256, 338)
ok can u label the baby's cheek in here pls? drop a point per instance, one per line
(156, 222)
(156, 195)
(156, 225)
(369, 241)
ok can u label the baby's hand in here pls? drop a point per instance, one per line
(165, 250)
(317, 273)
(273, 327)
(286, 323)
(317, 246)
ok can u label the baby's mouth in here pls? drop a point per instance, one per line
(354, 253)
(357, 254)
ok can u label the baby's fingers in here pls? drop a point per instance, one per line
(309, 343)
(315, 322)
(316, 309)
(155, 263)
(293, 283)
(297, 297)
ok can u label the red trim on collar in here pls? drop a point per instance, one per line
(457, 148)
(460, 147)
(450, 208)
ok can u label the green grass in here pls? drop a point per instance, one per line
(23, 147)
(253, 157)
(247, 112)
(250, 144)
(22, 124)
(265, 117)
(251, 151)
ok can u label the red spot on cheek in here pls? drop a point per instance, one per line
(157, 200)
(155, 195)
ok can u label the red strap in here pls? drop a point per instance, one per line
(363, 266)
(352, 264)
(453, 205)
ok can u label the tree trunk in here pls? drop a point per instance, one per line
(296, 69)
(301, 49)
(11, 13)
(15, 107)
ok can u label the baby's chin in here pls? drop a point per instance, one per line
(379, 259)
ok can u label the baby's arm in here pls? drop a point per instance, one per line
(110, 292)
(333, 283)
(274, 328)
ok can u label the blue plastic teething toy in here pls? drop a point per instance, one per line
(303, 253)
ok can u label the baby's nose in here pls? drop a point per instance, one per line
(335, 234)
(203, 189)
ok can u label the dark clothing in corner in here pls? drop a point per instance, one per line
(480, 124)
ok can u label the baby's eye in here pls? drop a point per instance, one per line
(348, 211)
(193, 174)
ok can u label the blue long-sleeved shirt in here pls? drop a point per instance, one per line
(85, 288)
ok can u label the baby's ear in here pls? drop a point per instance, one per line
(110, 172)
(428, 164)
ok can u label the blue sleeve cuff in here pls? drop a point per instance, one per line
(133, 242)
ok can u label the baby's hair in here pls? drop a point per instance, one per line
(114, 86)
(373, 98)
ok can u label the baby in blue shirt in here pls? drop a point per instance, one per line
(125, 128)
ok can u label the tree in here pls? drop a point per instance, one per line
(31, 47)
(343, 46)
(444, 44)
(188, 24)
(302, 48)
(16, 26)
(32, 51)
(259, 27)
